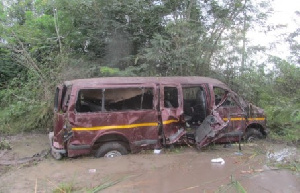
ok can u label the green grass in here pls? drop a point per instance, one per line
(108, 183)
(64, 188)
(293, 166)
(233, 186)
(13, 121)
(69, 187)
(4, 144)
(289, 135)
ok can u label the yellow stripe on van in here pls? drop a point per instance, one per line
(241, 119)
(121, 126)
(114, 127)
(257, 119)
(170, 121)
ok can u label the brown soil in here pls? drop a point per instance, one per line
(180, 170)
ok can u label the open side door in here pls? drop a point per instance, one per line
(211, 129)
(227, 119)
(171, 108)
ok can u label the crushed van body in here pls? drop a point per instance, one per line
(116, 115)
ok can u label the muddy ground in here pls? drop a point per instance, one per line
(257, 168)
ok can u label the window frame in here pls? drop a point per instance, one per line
(106, 87)
(56, 99)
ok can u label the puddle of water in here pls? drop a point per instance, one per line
(282, 155)
(272, 181)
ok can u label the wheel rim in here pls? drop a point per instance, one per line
(112, 154)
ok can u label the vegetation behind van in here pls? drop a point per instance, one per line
(117, 115)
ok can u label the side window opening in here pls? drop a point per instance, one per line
(66, 98)
(56, 102)
(89, 100)
(229, 102)
(194, 104)
(60, 103)
(128, 99)
(171, 97)
(219, 95)
(114, 99)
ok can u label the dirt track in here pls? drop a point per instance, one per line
(179, 170)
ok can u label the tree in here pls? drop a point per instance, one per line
(201, 36)
(293, 40)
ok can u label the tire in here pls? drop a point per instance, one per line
(111, 149)
(253, 135)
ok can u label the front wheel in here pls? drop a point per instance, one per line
(112, 149)
(253, 135)
(56, 155)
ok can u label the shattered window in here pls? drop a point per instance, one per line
(114, 99)
(171, 97)
(228, 102)
(128, 99)
(219, 95)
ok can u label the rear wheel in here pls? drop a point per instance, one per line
(112, 149)
(252, 135)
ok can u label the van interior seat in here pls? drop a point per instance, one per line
(198, 108)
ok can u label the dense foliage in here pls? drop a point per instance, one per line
(43, 42)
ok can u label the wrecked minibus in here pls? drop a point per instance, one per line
(113, 116)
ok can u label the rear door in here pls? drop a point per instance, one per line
(171, 108)
(59, 115)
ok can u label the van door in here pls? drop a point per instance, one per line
(230, 110)
(59, 116)
(213, 127)
(171, 108)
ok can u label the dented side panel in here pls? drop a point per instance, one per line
(235, 116)
(171, 109)
(59, 119)
(139, 128)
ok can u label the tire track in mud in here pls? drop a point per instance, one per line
(35, 158)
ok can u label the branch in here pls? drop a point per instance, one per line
(57, 29)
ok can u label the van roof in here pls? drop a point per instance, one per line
(188, 80)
